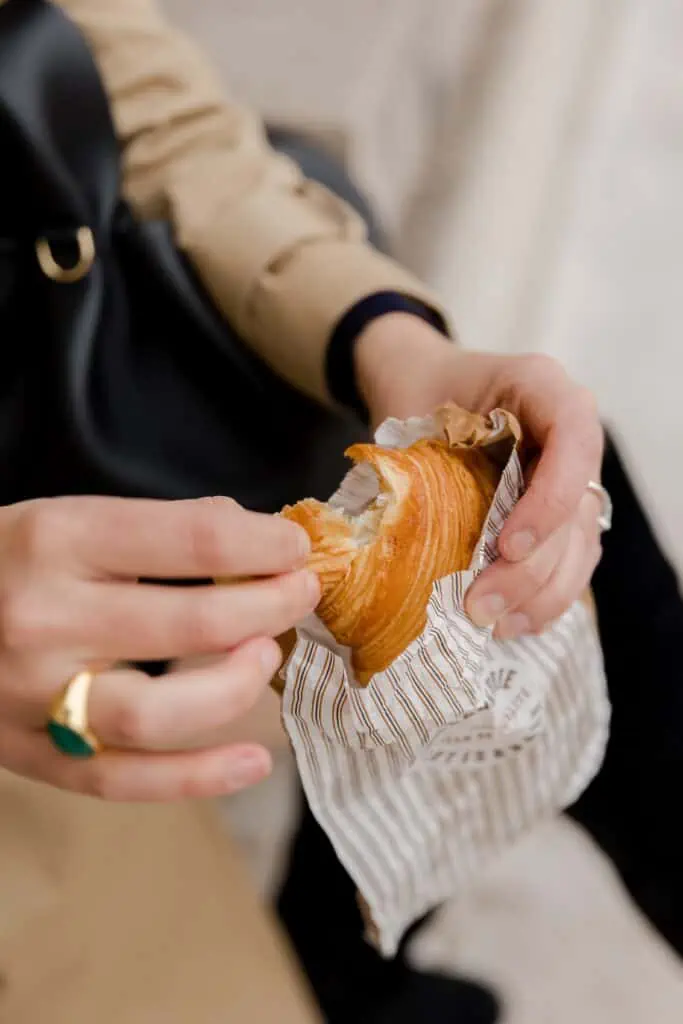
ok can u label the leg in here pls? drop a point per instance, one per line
(317, 903)
(630, 808)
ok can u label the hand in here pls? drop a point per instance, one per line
(70, 599)
(550, 545)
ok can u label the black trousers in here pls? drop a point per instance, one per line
(631, 807)
(631, 810)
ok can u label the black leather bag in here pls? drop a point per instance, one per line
(118, 375)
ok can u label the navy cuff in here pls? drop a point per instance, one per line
(339, 367)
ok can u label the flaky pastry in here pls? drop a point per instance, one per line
(377, 569)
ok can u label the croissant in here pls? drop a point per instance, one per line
(377, 569)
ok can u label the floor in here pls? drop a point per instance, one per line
(550, 926)
(551, 929)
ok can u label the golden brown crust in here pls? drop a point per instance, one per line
(377, 570)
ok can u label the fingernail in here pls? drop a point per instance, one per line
(270, 656)
(511, 626)
(248, 769)
(484, 611)
(303, 544)
(520, 545)
(312, 585)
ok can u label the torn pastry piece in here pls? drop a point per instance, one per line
(377, 569)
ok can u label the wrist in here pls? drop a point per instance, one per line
(380, 308)
(392, 346)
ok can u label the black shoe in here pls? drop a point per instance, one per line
(428, 999)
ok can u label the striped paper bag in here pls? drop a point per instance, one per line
(462, 745)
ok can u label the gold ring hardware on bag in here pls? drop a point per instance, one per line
(67, 275)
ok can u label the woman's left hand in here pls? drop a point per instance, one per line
(550, 545)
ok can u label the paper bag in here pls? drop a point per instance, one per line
(463, 744)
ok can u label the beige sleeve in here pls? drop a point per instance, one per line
(281, 256)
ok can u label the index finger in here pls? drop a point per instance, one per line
(195, 539)
(571, 457)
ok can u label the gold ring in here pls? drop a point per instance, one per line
(67, 725)
(67, 275)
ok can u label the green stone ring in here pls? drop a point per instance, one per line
(67, 725)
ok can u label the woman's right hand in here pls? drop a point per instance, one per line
(70, 600)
